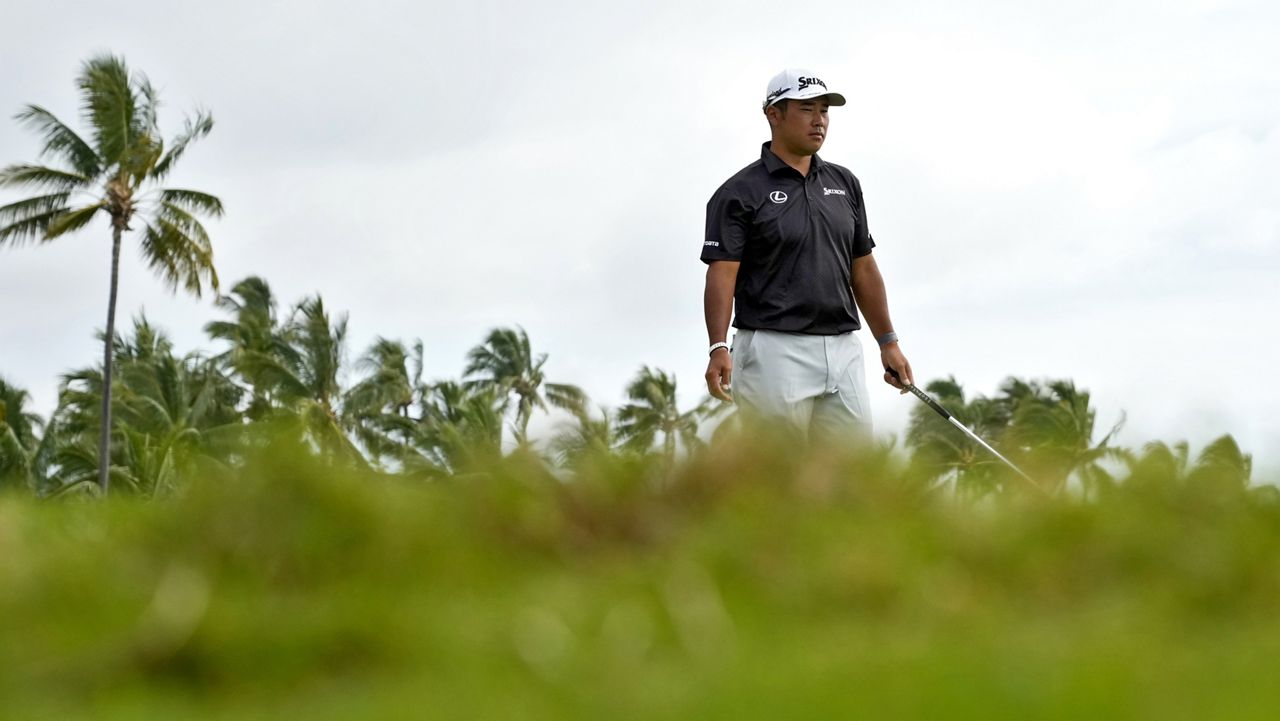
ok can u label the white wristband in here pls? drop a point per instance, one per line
(717, 346)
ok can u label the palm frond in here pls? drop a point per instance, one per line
(276, 372)
(196, 128)
(110, 106)
(1106, 440)
(61, 141)
(13, 411)
(192, 201)
(314, 354)
(177, 247)
(567, 397)
(147, 105)
(30, 227)
(42, 177)
(72, 220)
(419, 362)
(85, 486)
(40, 204)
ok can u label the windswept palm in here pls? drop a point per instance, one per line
(460, 429)
(506, 364)
(1221, 466)
(306, 378)
(380, 405)
(653, 412)
(1053, 424)
(947, 454)
(586, 436)
(254, 339)
(114, 175)
(172, 415)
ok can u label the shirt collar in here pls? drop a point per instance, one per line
(773, 163)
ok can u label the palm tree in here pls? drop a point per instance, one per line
(109, 175)
(585, 437)
(304, 378)
(654, 411)
(460, 429)
(1220, 467)
(505, 363)
(172, 415)
(19, 439)
(945, 453)
(380, 405)
(254, 338)
(1054, 424)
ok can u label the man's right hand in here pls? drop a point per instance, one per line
(720, 374)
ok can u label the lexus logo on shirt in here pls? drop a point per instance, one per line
(778, 196)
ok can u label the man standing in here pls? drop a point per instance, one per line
(787, 244)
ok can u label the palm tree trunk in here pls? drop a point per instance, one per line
(524, 410)
(104, 439)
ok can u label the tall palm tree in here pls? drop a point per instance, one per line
(19, 439)
(506, 363)
(115, 175)
(653, 411)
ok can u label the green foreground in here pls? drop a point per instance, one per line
(745, 584)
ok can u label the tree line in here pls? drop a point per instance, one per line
(281, 374)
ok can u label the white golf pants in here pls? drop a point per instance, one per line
(816, 384)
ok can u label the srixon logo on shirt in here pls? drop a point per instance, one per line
(806, 82)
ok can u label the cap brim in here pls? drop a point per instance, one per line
(833, 98)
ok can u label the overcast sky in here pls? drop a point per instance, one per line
(1087, 190)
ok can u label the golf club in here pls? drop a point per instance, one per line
(929, 401)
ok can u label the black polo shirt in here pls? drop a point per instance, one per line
(796, 237)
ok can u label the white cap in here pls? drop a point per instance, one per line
(797, 84)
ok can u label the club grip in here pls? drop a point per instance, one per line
(936, 406)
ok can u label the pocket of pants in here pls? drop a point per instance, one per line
(741, 349)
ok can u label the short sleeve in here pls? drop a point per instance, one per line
(728, 224)
(862, 240)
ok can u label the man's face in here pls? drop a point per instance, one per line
(802, 127)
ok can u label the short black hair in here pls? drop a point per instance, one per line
(781, 105)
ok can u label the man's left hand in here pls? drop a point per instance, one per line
(891, 357)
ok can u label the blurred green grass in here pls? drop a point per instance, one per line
(750, 582)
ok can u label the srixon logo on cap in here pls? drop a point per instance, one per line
(806, 82)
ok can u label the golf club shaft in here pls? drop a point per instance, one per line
(987, 446)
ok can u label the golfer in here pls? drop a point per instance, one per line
(788, 257)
